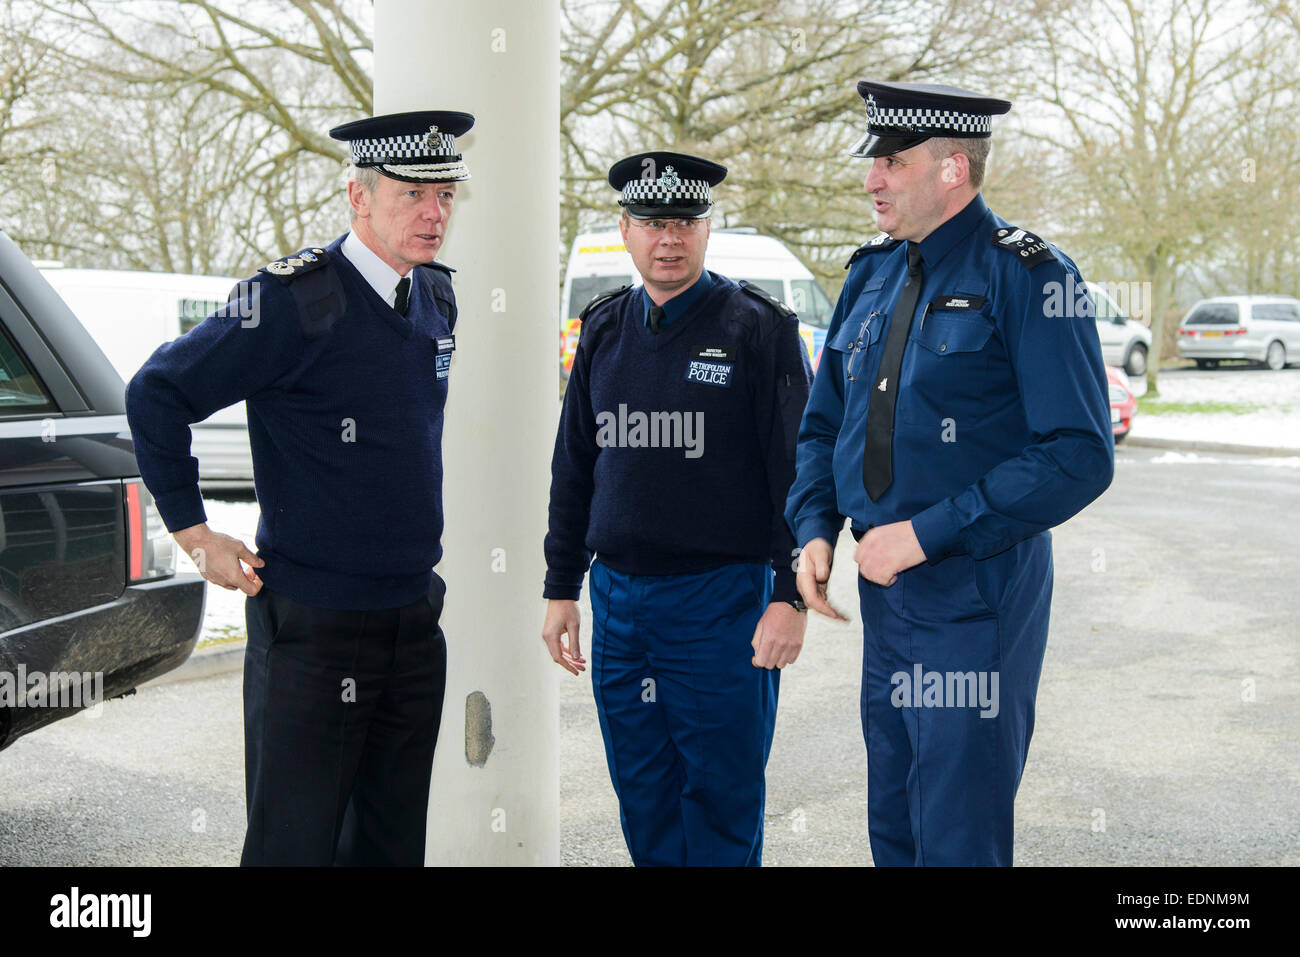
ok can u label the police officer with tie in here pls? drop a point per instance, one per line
(342, 353)
(959, 412)
(672, 463)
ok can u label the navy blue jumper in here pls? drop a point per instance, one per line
(345, 402)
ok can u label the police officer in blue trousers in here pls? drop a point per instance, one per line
(672, 463)
(342, 354)
(959, 412)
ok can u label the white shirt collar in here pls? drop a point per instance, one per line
(381, 276)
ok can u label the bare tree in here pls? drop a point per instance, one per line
(1143, 91)
(768, 87)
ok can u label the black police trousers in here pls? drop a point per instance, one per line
(341, 715)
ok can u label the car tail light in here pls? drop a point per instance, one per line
(1235, 332)
(150, 551)
(1187, 332)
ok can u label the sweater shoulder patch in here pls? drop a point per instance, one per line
(762, 295)
(300, 263)
(437, 279)
(882, 243)
(604, 297)
(1028, 249)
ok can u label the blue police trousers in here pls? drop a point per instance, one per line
(686, 717)
(951, 658)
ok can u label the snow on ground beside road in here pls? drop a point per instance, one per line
(1273, 419)
(1194, 458)
(223, 615)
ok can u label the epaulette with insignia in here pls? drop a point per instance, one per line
(883, 241)
(603, 298)
(290, 267)
(437, 265)
(1029, 249)
(762, 294)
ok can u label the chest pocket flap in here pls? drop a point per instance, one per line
(945, 335)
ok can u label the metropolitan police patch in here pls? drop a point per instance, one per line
(711, 366)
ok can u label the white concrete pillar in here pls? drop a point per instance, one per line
(500, 60)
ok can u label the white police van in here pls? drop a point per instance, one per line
(130, 314)
(599, 262)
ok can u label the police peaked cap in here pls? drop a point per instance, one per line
(417, 147)
(661, 183)
(902, 115)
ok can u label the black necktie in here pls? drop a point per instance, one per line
(878, 458)
(403, 295)
(656, 317)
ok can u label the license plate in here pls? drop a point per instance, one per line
(1210, 335)
(1114, 416)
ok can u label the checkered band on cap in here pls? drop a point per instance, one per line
(397, 149)
(923, 120)
(669, 188)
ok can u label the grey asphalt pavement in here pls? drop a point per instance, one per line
(1168, 728)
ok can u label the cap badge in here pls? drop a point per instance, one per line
(669, 181)
(431, 138)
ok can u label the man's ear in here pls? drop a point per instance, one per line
(359, 197)
(955, 169)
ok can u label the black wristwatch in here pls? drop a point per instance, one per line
(797, 604)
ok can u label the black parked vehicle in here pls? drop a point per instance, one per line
(88, 588)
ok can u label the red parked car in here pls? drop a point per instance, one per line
(1123, 404)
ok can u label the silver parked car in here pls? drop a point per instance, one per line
(1125, 342)
(1264, 329)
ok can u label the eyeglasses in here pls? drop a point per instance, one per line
(656, 226)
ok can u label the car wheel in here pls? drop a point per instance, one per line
(1275, 357)
(1207, 363)
(1136, 363)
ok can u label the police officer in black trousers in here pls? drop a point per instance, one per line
(342, 354)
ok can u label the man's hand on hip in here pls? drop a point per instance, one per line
(563, 618)
(812, 575)
(779, 636)
(887, 550)
(221, 559)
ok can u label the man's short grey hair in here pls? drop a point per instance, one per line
(368, 177)
(975, 150)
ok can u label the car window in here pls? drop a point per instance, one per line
(773, 287)
(1213, 314)
(21, 393)
(1276, 311)
(1104, 305)
(583, 290)
(193, 311)
(807, 299)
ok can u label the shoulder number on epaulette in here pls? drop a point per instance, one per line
(603, 298)
(290, 267)
(1028, 248)
(881, 242)
(762, 294)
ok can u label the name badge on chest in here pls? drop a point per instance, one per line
(711, 366)
(446, 345)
